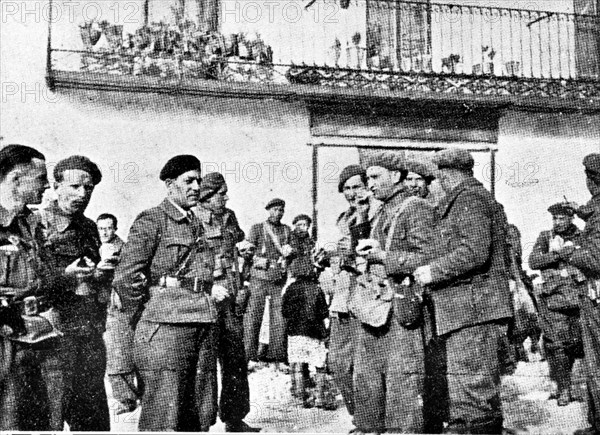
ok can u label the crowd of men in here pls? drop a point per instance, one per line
(420, 298)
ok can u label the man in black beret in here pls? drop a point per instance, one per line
(223, 233)
(470, 294)
(268, 276)
(165, 289)
(30, 360)
(389, 360)
(79, 290)
(353, 224)
(558, 302)
(586, 257)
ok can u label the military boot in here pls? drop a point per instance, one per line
(324, 397)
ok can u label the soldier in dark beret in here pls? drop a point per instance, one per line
(79, 290)
(586, 257)
(353, 224)
(165, 287)
(30, 360)
(418, 179)
(389, 399)
(559, 299)
(275, 202)
(223, 233)
(473, 227)
(268, 276)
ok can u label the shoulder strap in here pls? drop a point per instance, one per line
(272, 236)
(399, 211)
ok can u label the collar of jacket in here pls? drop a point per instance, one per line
(449, 199)
(60, 219)
(6, 217)
(172, 210)
(395, 200)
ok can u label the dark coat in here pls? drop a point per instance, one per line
(266, 249)
(304, 307)
(470, 278)
(587, 258)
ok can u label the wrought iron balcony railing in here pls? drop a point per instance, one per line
(368, 44)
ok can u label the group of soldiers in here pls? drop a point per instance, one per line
(420, 298)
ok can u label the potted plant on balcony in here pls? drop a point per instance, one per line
(452, 64)
(356, 53)
(90, 32)
(487, 66)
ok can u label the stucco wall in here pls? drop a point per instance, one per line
(261, 143)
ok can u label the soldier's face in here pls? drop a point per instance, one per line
(354, 190)
(32, 181)
(185, 189)
(218, 201)
(276, 213)
(382, 182)
(302, 226)
(416, 185)
(593, 188)
(74, 191)
(561, 222)
(106, 229)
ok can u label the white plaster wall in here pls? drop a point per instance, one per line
(144, 130)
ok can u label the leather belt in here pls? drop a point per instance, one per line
(194, 285)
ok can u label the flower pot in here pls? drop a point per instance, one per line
(90, 34)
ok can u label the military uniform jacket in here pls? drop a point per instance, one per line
(20, 263)
(67, 239)
(560, 278)
(587, 257)
(470, 277)
(158, 237)
(222, 234)
(266, 249)
(413, 239)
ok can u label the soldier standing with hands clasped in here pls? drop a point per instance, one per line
(559, 298)
(165, 285)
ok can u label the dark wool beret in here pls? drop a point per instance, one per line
(211, 184)
(302, 217)
(454, 158)
(179, 165)
(422, 169)
(13, 155)
(591, 162)
(78, 162)
(561, 208)
(275, 202)
(349, 172)
(390, 160)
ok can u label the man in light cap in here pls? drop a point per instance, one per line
(353, 224)
(268, 276)
(78, 289)
(30, 359)
(164, 284)
(222, 234)
(586, 257)
(559, 299)
(389, 362)
(468, 284)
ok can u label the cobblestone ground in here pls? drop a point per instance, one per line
(525, 400)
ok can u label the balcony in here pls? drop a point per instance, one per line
(351, 49)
